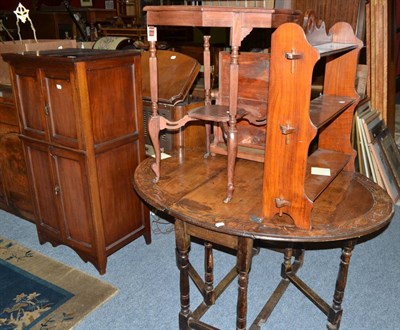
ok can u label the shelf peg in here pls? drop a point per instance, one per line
(287, 129)
(293, 56)
(280, 202)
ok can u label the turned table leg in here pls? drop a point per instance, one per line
(335, 313)
(154, 121)
(232, 143)
(244, 257)
(182, 254)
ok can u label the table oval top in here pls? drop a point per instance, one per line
(192, 189)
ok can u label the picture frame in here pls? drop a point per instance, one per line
(391, 152)
(86, 3)
(364, 154)
(361, 79)
(385, 170)
(109, 4)
(373, 126)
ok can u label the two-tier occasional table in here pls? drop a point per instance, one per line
(240, 22)
(190, 189)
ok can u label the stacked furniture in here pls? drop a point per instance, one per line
(240, 21)
(302, 193)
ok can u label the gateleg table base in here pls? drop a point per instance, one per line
(244, 246)
(189, 191)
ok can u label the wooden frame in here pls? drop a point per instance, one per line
(372, 127)
(384, 167)
(391, 152)
(363, 140)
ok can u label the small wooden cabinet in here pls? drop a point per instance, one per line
(15, 195)
(82, 129)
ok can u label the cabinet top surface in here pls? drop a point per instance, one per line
(220, 9)
(191, 189)
(70, 55)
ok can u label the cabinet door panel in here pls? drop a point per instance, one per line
(71, 178)
(109, 103)
(40, 167)
(31, 105)
(61, 108)
(119, 201)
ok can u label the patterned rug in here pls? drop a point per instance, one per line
(37, 292)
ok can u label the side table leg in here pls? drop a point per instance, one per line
(244, 257)
(335, 313)
(207, 88)
(232, 143)
(154, 121)
(182, 254)
(209, 294)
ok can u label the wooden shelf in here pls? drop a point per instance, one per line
(326, 159)
(249, 153)
(294, 123)
(326, 107)
(332, 48)
(217, 113)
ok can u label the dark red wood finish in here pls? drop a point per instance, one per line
(81, 126)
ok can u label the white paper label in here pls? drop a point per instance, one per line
(321, 171)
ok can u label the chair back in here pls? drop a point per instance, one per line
(253, 92)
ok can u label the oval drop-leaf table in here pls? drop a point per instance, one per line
(189, 190)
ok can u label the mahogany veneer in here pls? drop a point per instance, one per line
(81, 122)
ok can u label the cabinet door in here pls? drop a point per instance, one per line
(73, 197)
(61, 106)
(31, 105)
(59, 181)
(39, 165)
